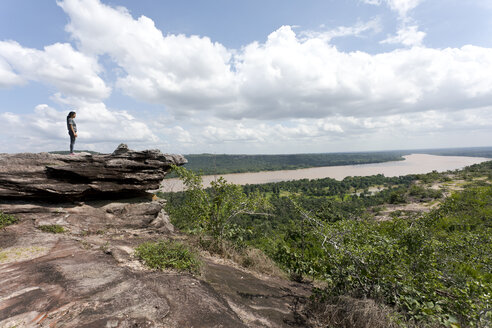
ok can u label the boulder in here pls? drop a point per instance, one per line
(54, 177)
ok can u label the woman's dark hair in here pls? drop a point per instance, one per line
(70, 114)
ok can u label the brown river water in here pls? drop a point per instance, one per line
(413, 164)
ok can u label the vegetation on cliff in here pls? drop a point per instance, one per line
(7, 219)
(214, 210)
(432, 267)
(168, 254)
(52, 228)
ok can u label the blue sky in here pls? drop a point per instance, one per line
(246, 76)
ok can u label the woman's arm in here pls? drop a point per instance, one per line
(73, 132)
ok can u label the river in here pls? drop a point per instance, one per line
(413, 164)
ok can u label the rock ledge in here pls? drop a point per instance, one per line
(44, 176)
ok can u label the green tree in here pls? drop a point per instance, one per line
(213, 210)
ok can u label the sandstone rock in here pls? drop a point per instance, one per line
(44, 176)
(88, 276)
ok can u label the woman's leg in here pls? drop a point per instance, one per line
(72, 142)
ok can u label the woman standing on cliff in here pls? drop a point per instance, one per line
(72, 130)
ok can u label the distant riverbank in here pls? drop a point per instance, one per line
(413, 164)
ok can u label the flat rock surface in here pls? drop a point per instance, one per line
(88, 276)
(54, 177)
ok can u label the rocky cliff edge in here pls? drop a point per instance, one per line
(45, 176)
(88, 275)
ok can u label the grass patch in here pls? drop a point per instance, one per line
(168, 254)
(7, 219)
(52, 228)
(284, 193)
(246, 256)
(350, 312)
(21, 253)
(257, 260)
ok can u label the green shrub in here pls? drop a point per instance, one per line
(7, 219)
(422, 193)
(435, 269)
(168, 254)
(427, 270)
(212, 210)
(397, 197)
(53, 228)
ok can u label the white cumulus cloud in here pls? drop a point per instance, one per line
(340, 133)
(7, 76)
(402, 7)
(72, 72)
(97, 125)
(343, 31)
(288, 76)
(180, 71)
(407, 35)
(408, 32)
(291, 88)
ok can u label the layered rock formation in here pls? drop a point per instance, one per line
(44, 176)
(88, 275)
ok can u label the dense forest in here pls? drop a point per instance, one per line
(221, 164)
(419, 246)
(208, 164)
